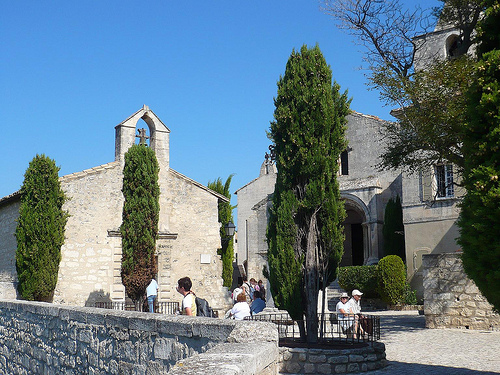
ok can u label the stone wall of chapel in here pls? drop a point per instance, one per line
(9, 212)
(95, 206)
(194, 218)
(248, 196)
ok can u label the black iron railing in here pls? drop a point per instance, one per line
(168, 308)
(331, 327)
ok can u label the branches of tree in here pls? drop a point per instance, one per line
(428, 98)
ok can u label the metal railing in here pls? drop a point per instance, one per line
(167, 308)
(353, 329)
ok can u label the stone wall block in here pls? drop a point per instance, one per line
(163, 348)
(338, 359)
(309, 368)
(315, 358)
(177, 326)
(142, 324)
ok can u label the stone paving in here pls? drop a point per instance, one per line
(413, 349)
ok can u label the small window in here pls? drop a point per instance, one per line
(444, 181)
(344, 163)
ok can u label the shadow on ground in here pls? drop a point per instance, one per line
(418, 369)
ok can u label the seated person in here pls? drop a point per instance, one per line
(258, 303)
(344, 315)
(241, 309)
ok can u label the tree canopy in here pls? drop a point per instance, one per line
(40, 230)
(429, 102)
(480, 210)
(305, 231)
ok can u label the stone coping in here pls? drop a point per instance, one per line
(231, 359)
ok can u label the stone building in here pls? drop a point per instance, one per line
(429, 198)
(91, 255)
(364, 189)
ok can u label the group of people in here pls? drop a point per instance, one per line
(349, 313)
(184, 284)
(248, 299)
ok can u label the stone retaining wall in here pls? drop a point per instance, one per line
(42, 338)
(451, 299)
(323, 361)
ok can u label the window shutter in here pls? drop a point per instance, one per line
(426, 176)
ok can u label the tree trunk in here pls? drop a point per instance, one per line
(311, 281)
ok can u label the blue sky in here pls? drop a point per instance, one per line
(71, 71)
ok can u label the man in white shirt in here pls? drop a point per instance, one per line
(355, 308)
(151, 293)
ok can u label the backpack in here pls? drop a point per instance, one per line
(203, 308)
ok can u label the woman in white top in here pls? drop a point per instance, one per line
(241, 309)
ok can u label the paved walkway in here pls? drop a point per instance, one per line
(412, 349)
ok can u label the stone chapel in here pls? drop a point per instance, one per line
(91, 255)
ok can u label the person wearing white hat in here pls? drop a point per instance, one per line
(342, 310)
(354, 306)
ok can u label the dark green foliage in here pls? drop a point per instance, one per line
(392, 279)
(364, 278)
(225, 216)
(139, 227)
(480, 215)
(305, 231)
(393, 231)
(40, 230)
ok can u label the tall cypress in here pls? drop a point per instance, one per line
(393, 230)
(225, 216)
(480, 215)
(140, 215)
(40, 230)
(305, 231)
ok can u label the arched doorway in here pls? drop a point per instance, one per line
(355, 240)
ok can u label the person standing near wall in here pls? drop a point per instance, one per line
(151, 293)
(188, 306)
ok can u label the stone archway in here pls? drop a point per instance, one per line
(356, 243)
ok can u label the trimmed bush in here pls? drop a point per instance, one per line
(392, 279)
(363, 278)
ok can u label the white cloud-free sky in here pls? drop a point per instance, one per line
(71, 71)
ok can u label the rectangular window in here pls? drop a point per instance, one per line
(344, 163)
(444, 181)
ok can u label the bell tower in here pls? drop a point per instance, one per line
(125, 135)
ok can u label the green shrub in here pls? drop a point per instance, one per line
(392, 279)
(363, 278)
(410, 297)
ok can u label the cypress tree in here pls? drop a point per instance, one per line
(140, 215)
(480, 215)
(305, 231)
(225, 216)
(393, 231)
(40, 230)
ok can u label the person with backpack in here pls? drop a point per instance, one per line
(188, 305)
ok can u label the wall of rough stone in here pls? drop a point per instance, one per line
(451, 299)
(327, 361)
(9, 213)
(41, 338)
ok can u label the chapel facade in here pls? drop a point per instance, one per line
(90, 268)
